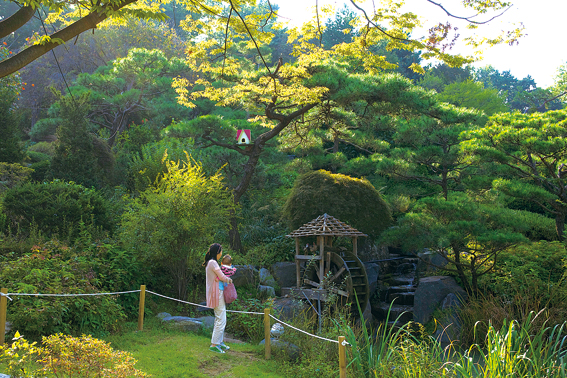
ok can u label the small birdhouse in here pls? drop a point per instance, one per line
(243, 136)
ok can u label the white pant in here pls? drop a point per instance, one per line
(220, 321)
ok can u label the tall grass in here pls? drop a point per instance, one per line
(517, 349)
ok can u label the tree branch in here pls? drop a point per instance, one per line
(16, 21)
(30, 54)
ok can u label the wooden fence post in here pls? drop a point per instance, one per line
(267, 333)
(141, 309)
(3, 310)
(342, 357)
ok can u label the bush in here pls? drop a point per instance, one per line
(41, 170)
(54, 268)
(11, 175)
(353, 201)
(56, 208)
(67, 356)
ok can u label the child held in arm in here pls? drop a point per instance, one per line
(227, 269)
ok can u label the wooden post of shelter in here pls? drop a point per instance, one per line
(297, 263)
(141, 309)
(342, 357)
(3, 311)
(354, 245)
(321, 240)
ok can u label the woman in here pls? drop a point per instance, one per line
(215, 298)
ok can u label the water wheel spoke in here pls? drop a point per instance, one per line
(338, 274)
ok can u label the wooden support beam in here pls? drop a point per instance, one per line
(297, 263)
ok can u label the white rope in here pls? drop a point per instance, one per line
(199, 305)
(66, 295)
(300, 330)
(174, 299)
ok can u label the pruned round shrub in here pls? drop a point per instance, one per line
(351, 200)
(55, 208)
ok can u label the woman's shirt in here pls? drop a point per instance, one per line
(213, 271)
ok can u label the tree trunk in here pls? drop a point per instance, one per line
(234, 235)
(560, 225)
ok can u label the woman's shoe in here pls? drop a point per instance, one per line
(216, 349)
(224, 346)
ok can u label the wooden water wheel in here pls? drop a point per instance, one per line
(323, 270)
(345, 277)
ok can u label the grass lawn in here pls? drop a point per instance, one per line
(168, 353)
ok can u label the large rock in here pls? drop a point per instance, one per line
(268, 290)
(284, 273)
(292, 350)
(286, 309)
(182, 322)
(449, 329)
(430, 294)
(430, 261)
(372, 272)
(244, 275)
(266, 278)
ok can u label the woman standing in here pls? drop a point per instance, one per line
(215, 298)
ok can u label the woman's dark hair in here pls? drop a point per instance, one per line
(214, 250)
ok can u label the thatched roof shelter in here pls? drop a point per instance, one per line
(326, 225)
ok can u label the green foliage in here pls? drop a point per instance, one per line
(56, 208)
(10, 147)
(472, 94)
(54, 268)
(144, 168)
(533, 149)
(469, 234)
(172, 224)
(75, 156)
(351, 200)
(247, 326)
(12, 175)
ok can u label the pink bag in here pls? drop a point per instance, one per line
(229, 293)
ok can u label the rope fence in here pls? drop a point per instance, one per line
(342, 343)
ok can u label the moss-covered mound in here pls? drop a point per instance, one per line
(351, 200)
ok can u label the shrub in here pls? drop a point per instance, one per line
(353, 201)
(56, 208)
(54, 268)
(66, 355)
(47, 148)
(11, 175)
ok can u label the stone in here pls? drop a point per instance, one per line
(372, 272)
(430, 294)
(244, 275)
(284, 273)
(268, 290)
(287, 309)
(433, 261)
(292, 350)
(183, 322)
(277, 330)
(266, 278)
(207, 321)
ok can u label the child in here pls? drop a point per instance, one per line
(228, 289)
(227, 269)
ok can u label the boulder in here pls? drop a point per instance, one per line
(430, 294)
(244, 275)
(287, 309)
(449, 328)
(266, 278)
(430, 261)
(372, 272)
(292, 350)
(268, 290)
(207, 321)
(183, 322)
(284, 273)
